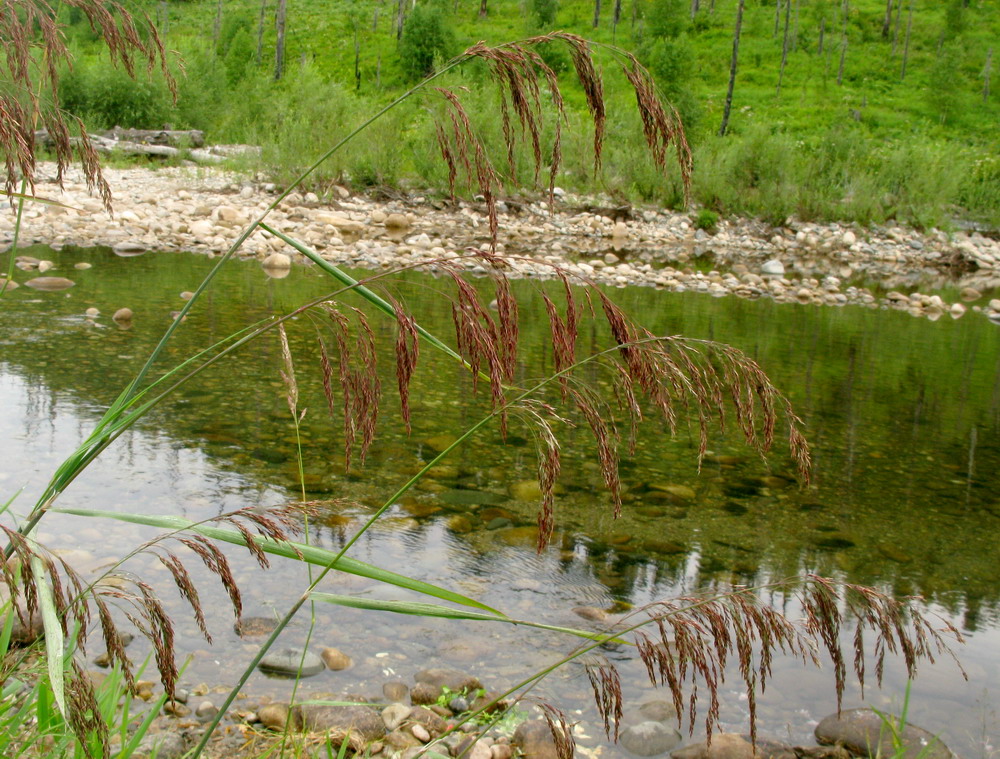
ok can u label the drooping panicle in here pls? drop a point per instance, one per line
(407, 353)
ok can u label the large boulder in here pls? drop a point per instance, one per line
(363, 721)
(865, 733)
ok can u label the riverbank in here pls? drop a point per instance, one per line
(203, 210)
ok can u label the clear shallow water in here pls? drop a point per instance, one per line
(902, 415)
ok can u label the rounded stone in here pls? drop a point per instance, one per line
(535, 740)
(290, 662)
(274, 716)
(277, 261)
(123, 315)
(335, 659)
(396, 221)
(395, 715)
(650, 738)
(48, 284)
(92, 312)
(733, 746)
(420, 733)
(395, 691)
(206, 710)
(658, 711)
(362, 720)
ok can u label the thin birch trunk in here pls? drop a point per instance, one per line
(260, 33)
(784, 46)
(732, 71)
(906, 44)
(986, 75)
(279, 48)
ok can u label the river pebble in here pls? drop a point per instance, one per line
(652, 247)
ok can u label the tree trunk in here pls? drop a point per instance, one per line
(845, 10)
(843, 57)
(986, 75)
(597, 13)
(164, 18)
(217, 27)
(906, 44)
(357, 58)
(260, 33)
(482, 8)
(784, 46)
(615, 18)
(694, 9)
(400, 18)
(732, 70)
(887, 21)
(822, 31)
(895, 28)
(795, 28)
(279, 47)
(777, 17)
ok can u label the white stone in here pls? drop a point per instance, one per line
(277, 261)
(774, 267)
(202, 228)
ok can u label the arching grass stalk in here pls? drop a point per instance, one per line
(17, 236)
(310, 592)
(79, 460)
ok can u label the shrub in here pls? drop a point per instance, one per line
(707, 220)
(106, 97)
(545, 12)
(424, 37)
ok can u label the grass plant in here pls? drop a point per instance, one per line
(666, 380)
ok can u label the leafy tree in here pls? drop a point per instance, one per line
(671, 61)
(545, 11)
(424, 36)
(668, 18)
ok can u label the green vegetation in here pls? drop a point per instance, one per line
(904, 129)
(660, 374)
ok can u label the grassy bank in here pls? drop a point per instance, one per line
(853, 132)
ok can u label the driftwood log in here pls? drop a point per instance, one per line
(186, 138)
(156, 144)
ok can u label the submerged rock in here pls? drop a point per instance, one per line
(649, 738)
(452, 679)
(287, 663)
(49, 283)
(733, 746)
(335, 659)
(864, 733)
